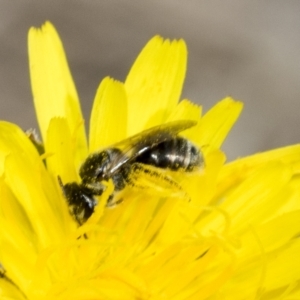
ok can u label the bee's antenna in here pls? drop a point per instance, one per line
(60, 181)
(61, 184)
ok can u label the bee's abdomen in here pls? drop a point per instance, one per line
(175, 154)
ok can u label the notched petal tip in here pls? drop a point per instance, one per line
(154, 83)
(109, 111)
(46, 26)
(52, 85)
(217, 122)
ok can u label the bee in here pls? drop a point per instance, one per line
(159, 147)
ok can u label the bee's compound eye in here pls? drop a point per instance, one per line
(72, 192)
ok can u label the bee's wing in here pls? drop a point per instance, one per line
(145, 140)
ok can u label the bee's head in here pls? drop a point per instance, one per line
(80, 200)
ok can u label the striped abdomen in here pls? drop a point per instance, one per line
(175, 154)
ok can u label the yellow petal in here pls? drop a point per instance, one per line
(238, 170)
(14, 238)
(9, 133)
(12, 214)
(283, 269)
(253, 201)
(52, 85)
(217, 122)
(27, 178)
(246, 165)
(60, 149)
(108, 123)
(154, 83)
(8, 291)
(287, 227)
(186, 110)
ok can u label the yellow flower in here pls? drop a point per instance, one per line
(237, 237)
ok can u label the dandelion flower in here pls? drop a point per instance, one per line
(237, 237)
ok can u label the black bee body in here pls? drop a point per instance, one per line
(159, 146)
(175, 154)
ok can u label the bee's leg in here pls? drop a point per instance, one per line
(119, 180)
(113, 200)
(144, 176)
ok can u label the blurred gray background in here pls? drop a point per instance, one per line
(246, 49)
